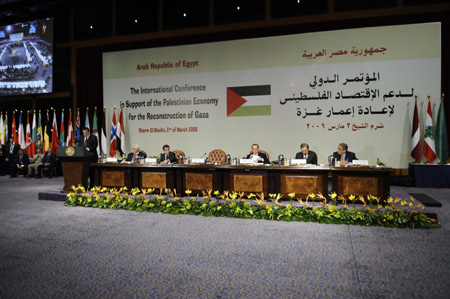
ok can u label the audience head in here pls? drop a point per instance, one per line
(304, 148)
(255, 148)
(38, 150)
(20, 151)
(166, 149)
(135, 149)
(342, 148)
(49, 150)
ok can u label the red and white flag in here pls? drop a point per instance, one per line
(415, 139)
(121, 134)
(70, 135)
(55, 141)
(429, 148)
(113, 141)
(28, 136)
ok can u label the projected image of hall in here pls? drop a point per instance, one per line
(26, 58)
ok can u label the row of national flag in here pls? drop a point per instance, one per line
(35, 136)
(435, 143)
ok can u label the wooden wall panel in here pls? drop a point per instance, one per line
(359, 185)
(247, 182)
(301, 184)
(154, 180)
(199, 181)
(112, 178)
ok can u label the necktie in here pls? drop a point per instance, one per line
(134, 158)
(167, 157)
(12, 148)
(85, 140)
(343, 158)
(306, 156)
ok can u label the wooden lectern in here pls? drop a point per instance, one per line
(75, 162)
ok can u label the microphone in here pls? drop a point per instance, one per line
(203, 156)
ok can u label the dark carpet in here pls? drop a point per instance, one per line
(49, 250)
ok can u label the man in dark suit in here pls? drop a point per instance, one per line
(49, 161)
(343, 155)
(90, 142)
(12, 149)
(22, 161)
(305, 153)
(136, 155)
(167, 156)
(256, 155)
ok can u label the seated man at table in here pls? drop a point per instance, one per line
(305, 153)
(167, 156)
(344, 155)
(257, 156)
(136, 155)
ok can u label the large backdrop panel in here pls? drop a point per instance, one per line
(355, 86)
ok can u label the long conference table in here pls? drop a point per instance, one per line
(302, 180)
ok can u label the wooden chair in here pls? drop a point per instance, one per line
(264, 152)
(217, 156)
(178, 153)
(144, 153)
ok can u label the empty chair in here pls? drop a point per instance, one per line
(178, 153)
(217, 156)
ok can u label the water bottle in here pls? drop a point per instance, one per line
(180, 159)
(189, 160)
(228, 161)
(280, 160)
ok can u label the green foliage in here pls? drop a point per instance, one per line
(234, 206)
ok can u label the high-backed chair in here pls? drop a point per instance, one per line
(264, 152)
(178, 153)
(217, 156)
(144, 153)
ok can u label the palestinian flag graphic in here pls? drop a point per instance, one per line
(248, 100)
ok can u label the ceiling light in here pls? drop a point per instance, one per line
(184, 14)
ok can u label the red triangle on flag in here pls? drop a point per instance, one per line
(234, 101)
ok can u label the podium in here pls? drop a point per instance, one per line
(75, 162)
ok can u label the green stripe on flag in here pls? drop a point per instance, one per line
(252, 111)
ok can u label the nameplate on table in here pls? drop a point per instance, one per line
(111, 160)
(150, 161)
(246, 161)
(197, 161)
(361, 162)
(298, 162)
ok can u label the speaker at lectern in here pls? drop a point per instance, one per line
(75, 162)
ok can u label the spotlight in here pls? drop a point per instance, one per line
(92, 27)
(135, 21)
(184, 14)
(238, 8)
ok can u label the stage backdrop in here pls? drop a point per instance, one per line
(355, 86)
